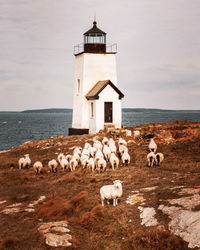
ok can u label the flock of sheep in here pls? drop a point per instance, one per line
(97, 158)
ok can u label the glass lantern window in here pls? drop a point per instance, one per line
(95, 39)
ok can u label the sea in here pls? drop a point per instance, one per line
(19, 127)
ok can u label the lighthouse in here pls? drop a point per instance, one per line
(96, 96)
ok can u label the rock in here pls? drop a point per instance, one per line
(186, 202)
(147, 189)
(136, 133)
(184, 223)
(34, 203)
(135, 198)
(56, 233)
(1, 202)
(147, 215)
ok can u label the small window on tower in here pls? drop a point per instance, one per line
(78, 86)
(92, 109)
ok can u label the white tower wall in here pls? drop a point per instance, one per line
(89, 69)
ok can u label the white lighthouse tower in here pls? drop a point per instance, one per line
(96, 97)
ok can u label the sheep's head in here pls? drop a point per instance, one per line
(117, 183)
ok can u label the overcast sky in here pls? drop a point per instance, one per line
(158, 60)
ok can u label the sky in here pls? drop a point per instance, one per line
(158, 59)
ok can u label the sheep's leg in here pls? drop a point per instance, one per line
(102, 202)
(114, 202)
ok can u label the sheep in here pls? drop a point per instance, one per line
(152, 146)
(24, 162)
(77, 157)
(106, 152)
(77, 150)
(85, 152)
(113, 148)
(111, 141)
(60, 156)
(122, 149)
(64, 163)
(126, 158)
(114, 161)
(159, 158)
(101, 165)
(53, 166)
(105, 141)
(151, 159)
(92, 151)
(87, 145)
(37, 167)
(111, 192)
(122, 142)
(97, 144)
(68, 157)
(73, 164)
(85, 163)
(91, 165)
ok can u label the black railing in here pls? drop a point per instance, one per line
(79, 48)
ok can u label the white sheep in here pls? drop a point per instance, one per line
(111, 141)
(122, 150)
(114, 161)
(111, 192)
(77, 150)
(122, 142)
(126, 158)
(97, 144)
(60, 157)
(85, 152)
(105, 141)
(77, 157)
(24, 162)
(101, 165)
(159, 158)
(91, 165)
(53, 166)
(85, 163)
(152, 146)
(106, 152)
(87, 145)
(64, 163)
(113, 148)
(37, 167)
(68, 157)
(73, 164)
(92, 151)
(151, 159)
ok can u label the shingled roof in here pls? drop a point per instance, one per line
(98, 87)
(94, 30)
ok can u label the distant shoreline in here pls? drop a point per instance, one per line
(57, 110)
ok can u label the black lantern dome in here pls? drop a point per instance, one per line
(95, 40)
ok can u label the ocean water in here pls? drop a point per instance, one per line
(17, 128)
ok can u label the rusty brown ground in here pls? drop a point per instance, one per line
(74, 196)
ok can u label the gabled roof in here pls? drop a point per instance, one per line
(98, 87)
(94, 30)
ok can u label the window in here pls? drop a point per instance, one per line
(92, 109)
(78, 86)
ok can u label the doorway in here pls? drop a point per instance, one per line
(108, 114)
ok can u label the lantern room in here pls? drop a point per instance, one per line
(95, 40)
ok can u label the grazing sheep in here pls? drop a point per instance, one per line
(37, 167)
(53, 166)
(105, 141)
(151, 158)
(126, 158)
(73, 164)
(77, 150)
(68, 157)
(111, 192)
(113, 148)
(24, 162)
(159, 158)
(92, 151)
(64, 163)
(101, 165)
(114, 161)
(85, 163)
(152, 146)
(60, 157)
(97, 144)
(91, 165)
(122, 142)
(106, 152)
(87, 145)
(122, 150)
